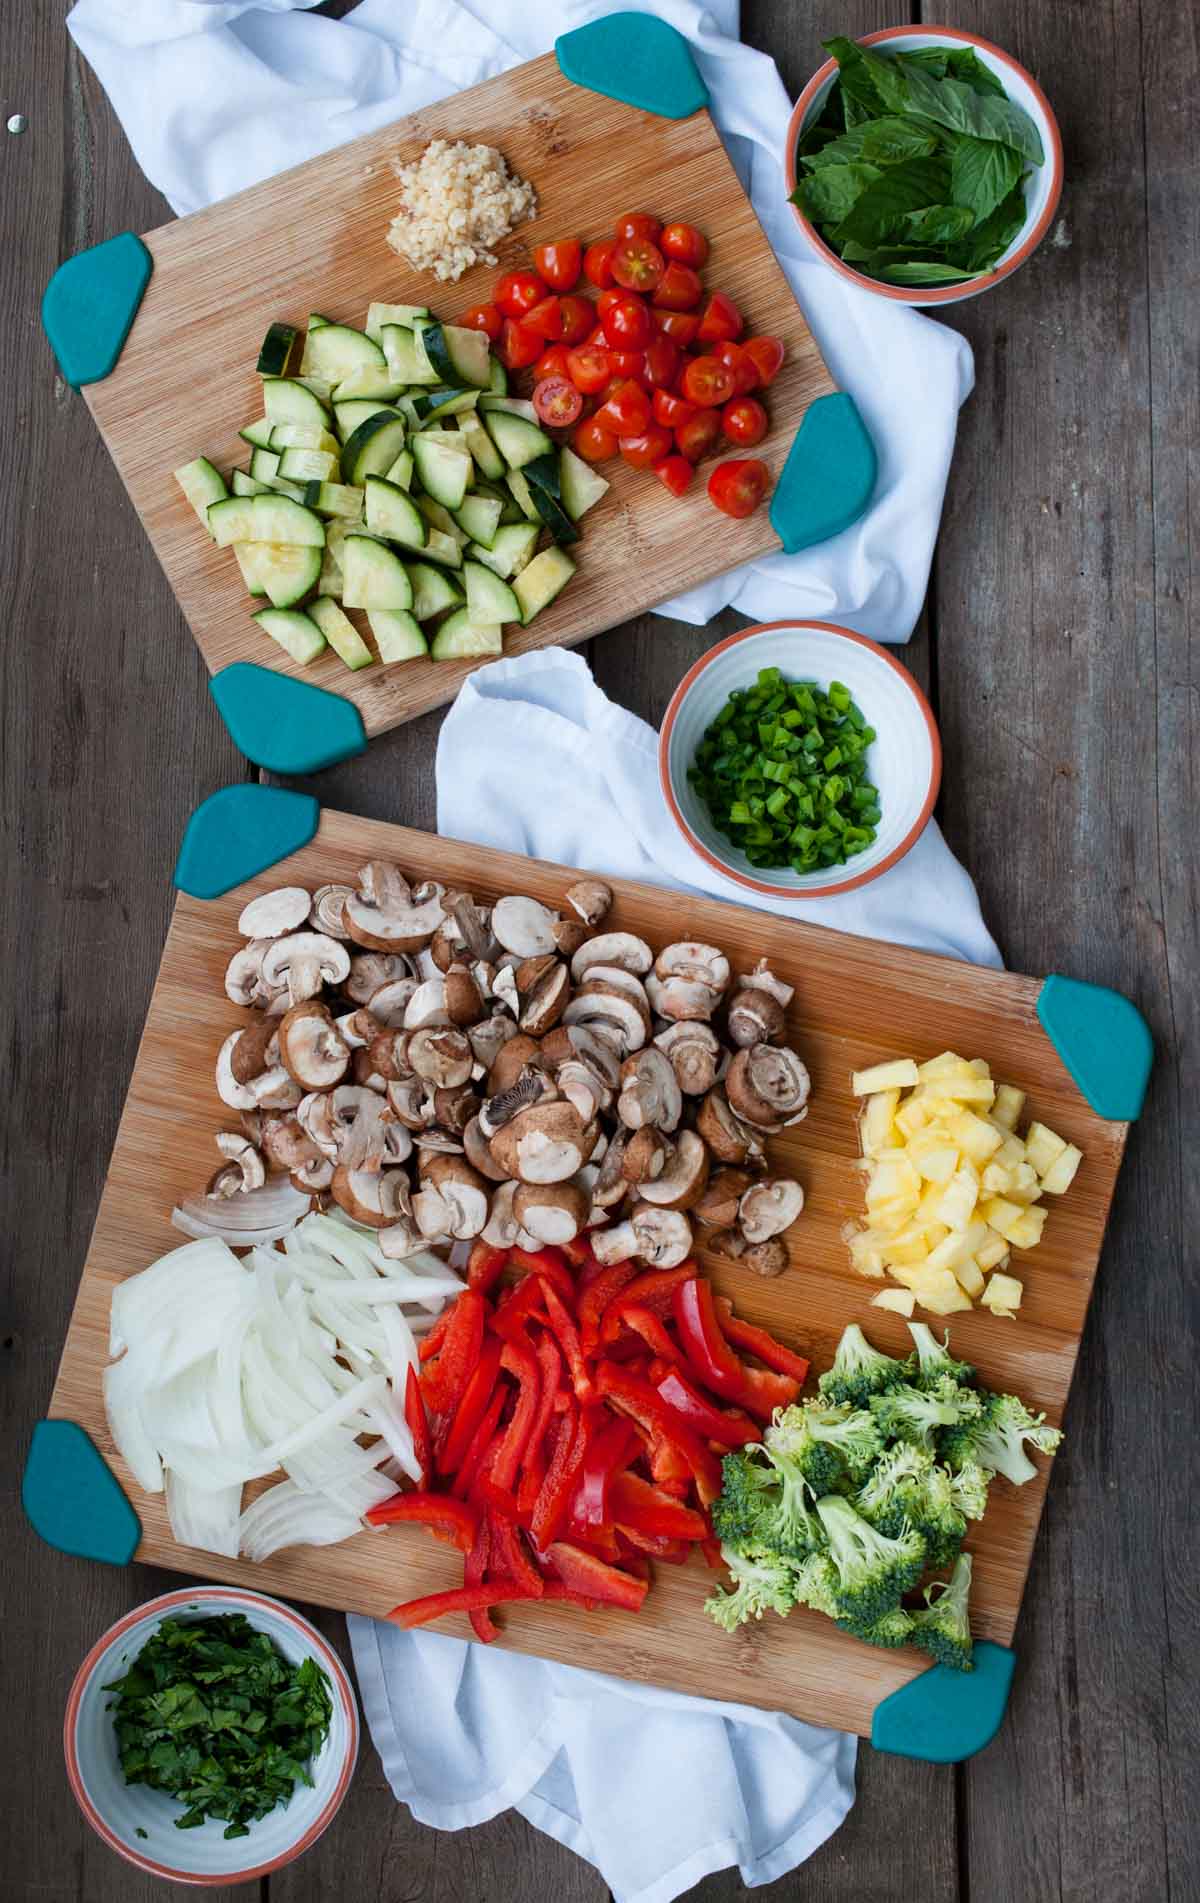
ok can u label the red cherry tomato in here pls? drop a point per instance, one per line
(720, 319)
(661, 363)
(625, 410)
(551, 363)
(558, 264)
(518, 291)
(606, 300)
(679, 288)
(699, 434)
(518, 347)
(671, 410)
(648, 448)
(637, 224)
(597, 263)
(628, 363)
(589, 369)
(744, 421)
(578, 317)
(638, 264)
(627, 323)
(595, 443)
(484, 317)
(738, 487)
(767, 354)
(675, 473)
(679, 326)
(737, 359)
(706, 381)
(557, 402)
(684, 243)
(545, 320)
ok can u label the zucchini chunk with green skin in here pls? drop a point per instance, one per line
(243, 485)
(334, 352)
(401, 471)
(373, 448)
(308, 465)
(498, 378)
(489, 598)
(554, 516)
(276, 349)
(484, 454)
(286, 400)
(294, 631)
(403, 314)
(265, 519)
(580, 487)
(461, 639)
(359, 410)
(433, 592)
(520, 492)
(397, 635)
(406, 358)
(511, 551)
(367, 383)
(458, 355)
(447, 404)
(441, 519)
(303, 436)
(542, 473)
(373, 576)
(442, 548)
(341, 634)
(392, 513)
(479, 518)
(442, 470)
(546, 576)
(264, 465)
(282, 571)
(334, 498)
(202, 484)
(258, 434)
(518, 441)
(512, 405)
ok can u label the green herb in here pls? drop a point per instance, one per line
(915, 170)
(783, 772)
(213, 1714)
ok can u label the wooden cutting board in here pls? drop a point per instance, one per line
(857, 1002)
(314, 239)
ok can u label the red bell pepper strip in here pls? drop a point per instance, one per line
(517, 1309)
(485, 1266)
(612, 1448)
(550, 1368)
(567, 1336)
(669, 1469)
(418, 1423)
(636, 1397)
(637, 1507)
(547, 1263)
(518, 1359)
(595, 1298)
(758, 1390)
(763, 1391)
(431, 1342)
(579, 1253)
(443, 1379)
(509, 1558)
(471, 1409)
(595, 1578)
(481, 1441)
(632, 1561)
(474, 1567)
(652, 1330)
(656, 1545)
(501, 1502)
(655, 1289)
(554, 1500)
(435, 1510)
(435, 1605)
(711, 1548)
(730, 1429)
(756, 1341)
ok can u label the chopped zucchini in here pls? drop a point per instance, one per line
(498, 378)
(401, 471)
(403, 314)
(484, 454)
(276, 349)
(442, 548)
(489, 598)
(580, 486)
(373, 447)
(443, 470)
(282, 571)
(518, 441)
(341, 634)
(350, 415)
(397, 635)
(294, 631)
(461, 639)
(368, 382)
(334, 498)
(265, 519)
(433, 592)
(554, 515)
(303, 436)
(512, 405)
(519, 489)
(258, 434)
(444, 404)
(542, 473)
(243, 485)
(202, 483)
(511, 551)
(406, 358)
(546, 576)
(334, 351)
(458, 355)
(286, 400)
(439, 518)
(373, 576)
(308, 465)
(479, 516)
(392, 513)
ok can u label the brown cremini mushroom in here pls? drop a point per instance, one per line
(650, 1093)
(681, 1183)
(243, 974)
(304, 961)
(370, 971)
(755, 1017)
(645, 1156)
(569, 935)
(590, 898)
(545, 1144)
(452, 1199)
(478, 1151)
(769, 1207)
(768, 1086)
(763, 1258)
(546, 1001)
(463, 998)
(372, 1197)
(243, 1169)
(501, 1227)
(511, 1059)
(552, 1212)
(385, 914)
(695, 1054)
(313, 1051)
(718, 1207)
(325, 914)
(524, 926)
(489, 1037)
(390, 1004)
(623, 949)
(729, 1139)
(274, 913)
(441, 1055)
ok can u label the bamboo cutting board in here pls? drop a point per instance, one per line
(857, 1002)
(314, 239)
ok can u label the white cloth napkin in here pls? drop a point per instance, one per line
(214, 97)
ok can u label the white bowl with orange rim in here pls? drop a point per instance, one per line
(904, 761)
(1043, 186)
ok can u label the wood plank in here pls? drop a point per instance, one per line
(222, 274)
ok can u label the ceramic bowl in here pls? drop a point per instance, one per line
(117, 1812)
(1042, 188)
(904, 762)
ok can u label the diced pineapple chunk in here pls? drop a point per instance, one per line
(876, 1127)
(961, 1194)
(949, 1064)
(936, 1160)
(865, 1255)
(996, 1180)
(969, 1089)
(1061, 1173)
(894, 1182)
(994, 1253)
(911, 1117)
(1003, 1295)
(1001, 1214)
(898, 1075)
(1026, 1232)
(1023, 1184)
(1008, 1105)
(975, 1136)
(936, 1290)
(958, 1246)
(969, 1277)
(1010, 1153)
(1042, 1147)
(896, 1251)
(981, 1067)
(901, 1301)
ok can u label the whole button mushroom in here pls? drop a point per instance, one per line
(590, 898)
(545, 1144)
(768, 1086)
(695, 1054)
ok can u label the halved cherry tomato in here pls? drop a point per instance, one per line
(628, 363)
(638, 264)
(671, 410)
(637, 224)
(647, 448)
(559, 263)
(679, 288)
(518, 291)
(605, 302)
(767, 354)
(518, 347)
(679, 326)
(595, 443)
(484, 317)
(675, 473)
(721, 319)
(558, 403)
(577, 318)
(738, 487)
(545, 320)
(706, 380)
(597, 263)
(626, 409)
(744, 421)
(627, 323)
(699, 435)
(661, 363)
(735, 357)
(589, 368)
(685, 243)
(551, 363)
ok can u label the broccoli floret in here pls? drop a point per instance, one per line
(764, 1505)
(910, 1414)
(906, 1487)
(969, 1489)
(858, 1370)
(942, 1627)
(762, 1582)
(934, 1359)
(874, 1571)
(817, 1584)
(996, 1439)
(826, 1446)
(891, 1629)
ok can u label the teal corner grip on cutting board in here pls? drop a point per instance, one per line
(829, 475)
(1103, 1040)
(945, 1716)
(636, 58)
(90, 303)
(73, 1500)
(285, 725)
(240, 831)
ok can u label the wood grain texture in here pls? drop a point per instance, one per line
(857, 1002)
(221, 275)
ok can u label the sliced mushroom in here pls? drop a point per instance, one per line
(580, 1083)
(288, 1146)
(441, 1055)
(616, 1244)
(474, 925)
(346, 1124)
(390, 1004)
(452, 1200)
(530, 971)
(612, 948)
(590, 898)
(408, 1099)
(547, 1001)
(370, 971)
(504, 989)
(610, 1185)
(382, 883)
(544, 1144)
(386, 916)
(569, 935)
(729, 1139)
(501, 1227)
(358, 1028)
(243, 974)
(256, 1050)
(326, 913)
(276, 1090)
(304, 961)
(682, 1182)
(463, 997)
(690, 958)
(717, 1208)
(274, 913)
(755, 1017)
(478, 1152)
(387, 1055)
(243, 1169)
(397, 1139)
(769, 1207)
(524, 926)
(664, 1236)
(531, 1087)
(646, 1156)
(489, 1037)
(601, 979)
(608, 1012)
(695, 1054)
(762, 978)
(650, 1093)
(512, 1058)
(768, 1086)
(402, 1238)
(312, 1050)
(552, 1212)
(455, 1106)
(373, 1197)
(239, 1096)
(764, 1258)
(682, 999)
(363, 1072)
(427, 1005)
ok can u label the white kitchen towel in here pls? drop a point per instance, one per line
(214, 97)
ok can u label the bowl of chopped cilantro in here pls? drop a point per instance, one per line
(925, 165)
(211, 1736)
(799, 759)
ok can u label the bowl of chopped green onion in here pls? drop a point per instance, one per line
(211, 1736)
(800, 759)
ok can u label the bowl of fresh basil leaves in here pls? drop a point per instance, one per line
(924, 165)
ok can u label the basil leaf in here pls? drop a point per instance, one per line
(937, 224)
(828, 195)
(982, 173)
(889, 79)
(879, 210)
(931, 59)
(877, 142)
(991, 239)
(918, 271)
(965, 64)
(856, 82)
(948, 102)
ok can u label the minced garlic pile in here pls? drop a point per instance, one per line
(456, 202)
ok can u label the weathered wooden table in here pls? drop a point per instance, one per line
(1056, 652)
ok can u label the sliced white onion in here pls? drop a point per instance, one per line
(284, 1516)
(261, 1215)
(206, 1518)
